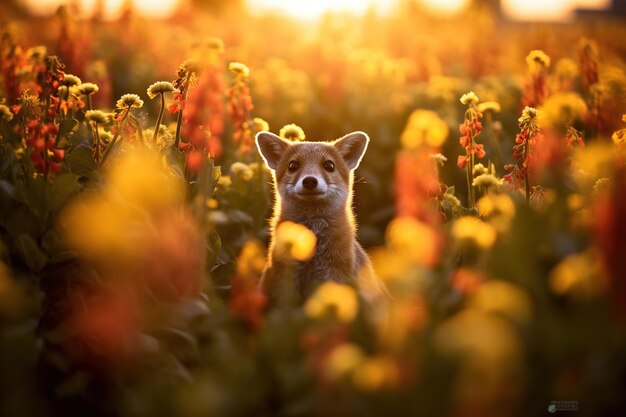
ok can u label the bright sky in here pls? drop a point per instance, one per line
(309, 9)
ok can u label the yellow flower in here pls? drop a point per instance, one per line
(136, 184)
(496, 204)
(342, 360)
(593, 161)
(469, 98)
(5, 113)
(295, 240)
(96, 116)
(88, 88)
(424, 127)
(375, 374)
(579, 276)
(71, 80)
(563, 109)
(479, 169)
(239, 69)
(292, 132)
(537, 59)
(488, 106)
(472, 229)
(529, 115)
(501, 297)
(36, 52)
(334, 299)
(566, 68)
(129, 100)
(483, 339)
(160, 87)
(251, 260)
(140, 178)
(259, 125)
(486, 180)
(414, 240)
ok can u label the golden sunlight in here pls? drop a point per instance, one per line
(111, 8)
(308, 9)
(548, 10)
(445, 6)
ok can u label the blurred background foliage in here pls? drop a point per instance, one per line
(127, 282)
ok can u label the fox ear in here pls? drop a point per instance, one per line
(352, 147)
(271, 148)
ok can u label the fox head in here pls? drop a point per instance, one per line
(313, 173)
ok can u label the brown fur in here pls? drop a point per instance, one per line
(338, 256)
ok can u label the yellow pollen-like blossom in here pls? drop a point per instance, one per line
(333, 299)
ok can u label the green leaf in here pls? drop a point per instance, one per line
(80, 161)
(28, 249)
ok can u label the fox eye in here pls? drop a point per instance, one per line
(329, 166)
(293, 165)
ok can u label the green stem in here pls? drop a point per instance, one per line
(471, 191)
(527, 173)
(89, 103)
(96, 136)
(107, 151)
(468, 174)
(179, 120)
(155, 135)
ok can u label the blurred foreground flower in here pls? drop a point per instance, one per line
(376, 373)
(579, 276)
(295, 240)
(248, 300)
(334, 300)
(136, 236)
(498, 209)
(492, 372)
(473, 230)
(416, 241)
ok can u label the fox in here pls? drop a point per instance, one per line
(313, 186)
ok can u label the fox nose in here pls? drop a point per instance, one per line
(309, 183)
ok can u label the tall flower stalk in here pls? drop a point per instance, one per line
(122, 110)
(470, 129)
(94, 118)
(159, 89)
(186, 75)
(522, 151)
(536, 88)
(240, 105)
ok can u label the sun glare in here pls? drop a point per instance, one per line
(308, 9)
(548, 10)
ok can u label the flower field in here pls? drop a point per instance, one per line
(134, 211)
